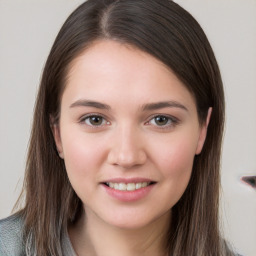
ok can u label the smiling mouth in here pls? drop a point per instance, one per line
(128, 186)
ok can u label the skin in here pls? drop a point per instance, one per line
(127, 143)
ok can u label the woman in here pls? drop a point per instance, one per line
(125, 147)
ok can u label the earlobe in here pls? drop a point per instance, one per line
(57, 138)
(203, 133)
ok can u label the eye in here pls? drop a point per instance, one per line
(94, 120)
(163, 121)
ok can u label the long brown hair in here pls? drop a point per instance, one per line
(169, 33)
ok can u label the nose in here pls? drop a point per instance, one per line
(127, 148)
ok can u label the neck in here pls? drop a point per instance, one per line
(92, 236)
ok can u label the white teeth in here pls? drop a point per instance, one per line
(144, 184)
(129, 186)
(122, 186)
(138, 185)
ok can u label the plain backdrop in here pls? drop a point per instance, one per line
(27, 31)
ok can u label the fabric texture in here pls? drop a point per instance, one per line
(11, 243)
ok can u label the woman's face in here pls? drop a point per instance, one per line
(128, 134)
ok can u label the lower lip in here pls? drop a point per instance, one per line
(128, 196)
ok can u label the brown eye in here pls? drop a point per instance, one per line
(161, 120)
(94, 120)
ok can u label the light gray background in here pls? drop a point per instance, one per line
(27, 31)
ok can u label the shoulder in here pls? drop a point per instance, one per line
(11, 236)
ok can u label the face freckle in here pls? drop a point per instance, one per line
(110, 132)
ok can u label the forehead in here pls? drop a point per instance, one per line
(109, 57)
(108, 68)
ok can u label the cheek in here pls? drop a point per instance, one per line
(83, 157)
(176, 156)
(175, 162)
(178, 169)
(82, 154)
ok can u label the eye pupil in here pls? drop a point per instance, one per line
(96, 120)
(161, 120)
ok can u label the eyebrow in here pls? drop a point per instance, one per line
(89, 103)
(163, 104)
(145, 107)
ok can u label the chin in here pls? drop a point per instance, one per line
(129, 225)
(136, 221)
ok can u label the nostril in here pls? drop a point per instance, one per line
(127, 158)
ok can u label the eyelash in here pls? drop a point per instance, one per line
(171, 121)
(87, 117)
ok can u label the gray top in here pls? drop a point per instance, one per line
(11, 243)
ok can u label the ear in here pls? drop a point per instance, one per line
(203, 133)
(57, 137)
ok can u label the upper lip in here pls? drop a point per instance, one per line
(128, 180)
